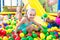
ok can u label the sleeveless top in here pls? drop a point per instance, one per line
(24, 25)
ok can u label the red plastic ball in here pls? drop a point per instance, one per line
(3, 32)
(29, 34)
(0, 32)
(56, 35)
(17, 38)
(38, 33)
(14, 36)
(19, 31)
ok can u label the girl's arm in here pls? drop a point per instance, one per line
(38, 24)
(51, 3)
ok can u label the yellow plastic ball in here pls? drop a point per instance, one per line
(2, 28)
(38, 38)
(49, 37)
(9, 31)
(49, 30)
(5, 38)
(56, 28)
(42, 35)
(35, 39)
(54, 39)
(52, 29)
(21, 35)
(14, 27)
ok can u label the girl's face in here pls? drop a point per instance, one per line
(18, 9)
(31, 15)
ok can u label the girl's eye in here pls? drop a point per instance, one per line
(30, 14)
(33, 15)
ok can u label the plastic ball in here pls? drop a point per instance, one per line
(3, 32)
(56, 35)
(54, 39)
(55, 32)
(42, 18)
(23, 38)
(45, 15)
(49, 26)
(19, 31)
(47, 34)
(17, 38)
(34, 35)
(29, 34)
(38, 33)
(45, 27)
(9, 31)
(10, 27)
(53, 36)
(56, 29)
(14, 36)
(5, 38)
(35, 39)
(49, 37)
(53, 29)
(21, 35)
(0, 32)
(0, 38)
(29, 38)
(42, 36)
(14, 22)
(0, 26)
(11, 38)
(7, 27)
(14, 27)
(49, 30)
(5, 24)
(44, 31)
(51, 33)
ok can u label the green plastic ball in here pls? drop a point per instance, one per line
(53, 36)
(29, 38)
(7, 27)
(11, 38)
(0, 38)
(44, 31)
(51, 33)
(10, 27)
(34, 35)
(45, 15)
(23, 39)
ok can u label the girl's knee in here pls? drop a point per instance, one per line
(30, 28)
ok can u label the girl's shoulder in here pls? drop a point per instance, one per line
(24, 19)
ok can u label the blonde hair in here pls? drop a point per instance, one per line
(29, 10)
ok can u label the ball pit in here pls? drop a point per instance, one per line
(49, 32)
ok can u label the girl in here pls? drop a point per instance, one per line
(55, 22)
(58, 18)
(51, 23)
(18, 13)
(1, 21)
(27, 21)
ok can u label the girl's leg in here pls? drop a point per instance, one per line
(31, 28)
